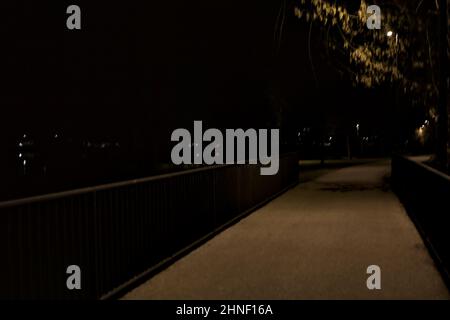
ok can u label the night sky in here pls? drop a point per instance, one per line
(135, 72)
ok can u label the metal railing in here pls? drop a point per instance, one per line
(117, 232)
(425, 193)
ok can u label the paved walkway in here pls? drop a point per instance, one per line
(313, 242)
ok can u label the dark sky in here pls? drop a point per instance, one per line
(138, 70)
(152, 63)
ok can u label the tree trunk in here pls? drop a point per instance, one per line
(443, 125)
(349, 152)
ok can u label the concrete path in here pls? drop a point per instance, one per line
(313, 242)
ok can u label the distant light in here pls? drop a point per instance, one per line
(20, 144)
(56, 136)
(20, 155)
(24, 162)
(24, 136)
(420, 131)
(390, 33)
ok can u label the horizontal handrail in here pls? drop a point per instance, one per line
(426, 167)
(108, 186)
(102, 187)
